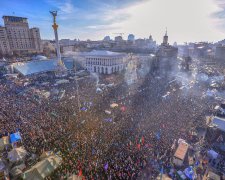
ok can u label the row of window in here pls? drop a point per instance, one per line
(102, 63)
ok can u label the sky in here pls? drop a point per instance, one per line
(186, 20)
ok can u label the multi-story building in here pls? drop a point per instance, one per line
(21, 39)
(166, 57)
(4, 42)
(36, 39)
(106, 38)
(104, 62)
(131, 37)
(118, 38)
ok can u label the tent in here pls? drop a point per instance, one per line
(15, 137)
(218, 123)
(17, 154)
(43, 168)
(189, 172)
(3, 142)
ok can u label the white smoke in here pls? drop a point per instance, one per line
(96, 76)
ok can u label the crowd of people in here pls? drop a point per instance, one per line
(134, 141)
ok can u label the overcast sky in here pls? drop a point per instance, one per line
(186, 20)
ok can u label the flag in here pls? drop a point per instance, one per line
(123, 108)
(80, 172)
(106, 166)
(143, 140)
(158, 135)
(139, 146)
(83, 109)
(197, 163)
(108, 119)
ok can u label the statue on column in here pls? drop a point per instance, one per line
(61, 69)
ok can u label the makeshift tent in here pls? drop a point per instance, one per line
(35, 67)
(15, 137)
(43, 168)
(114, 105)
(4, 141)
(218, 123)
(17, 154)
(189, 172)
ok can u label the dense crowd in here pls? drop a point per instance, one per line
(134, 141)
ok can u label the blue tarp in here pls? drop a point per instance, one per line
(189, 172)
(15, 137)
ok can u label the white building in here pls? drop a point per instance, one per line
(104, 62)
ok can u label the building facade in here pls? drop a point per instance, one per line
(36, 39)
(4, 42)
(166, 57)
(21, 39)
(104, 62)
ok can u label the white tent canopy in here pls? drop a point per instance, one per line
(43, 168)
(17, 154)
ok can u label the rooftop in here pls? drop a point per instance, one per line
(103, 53)
(181, 151)
(13, 17)
(34, 67)
(218, 123)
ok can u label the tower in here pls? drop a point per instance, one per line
(150, 38)
(60, 65)
(165, 39)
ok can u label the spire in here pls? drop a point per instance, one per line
(150, 37)
(165, 38)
